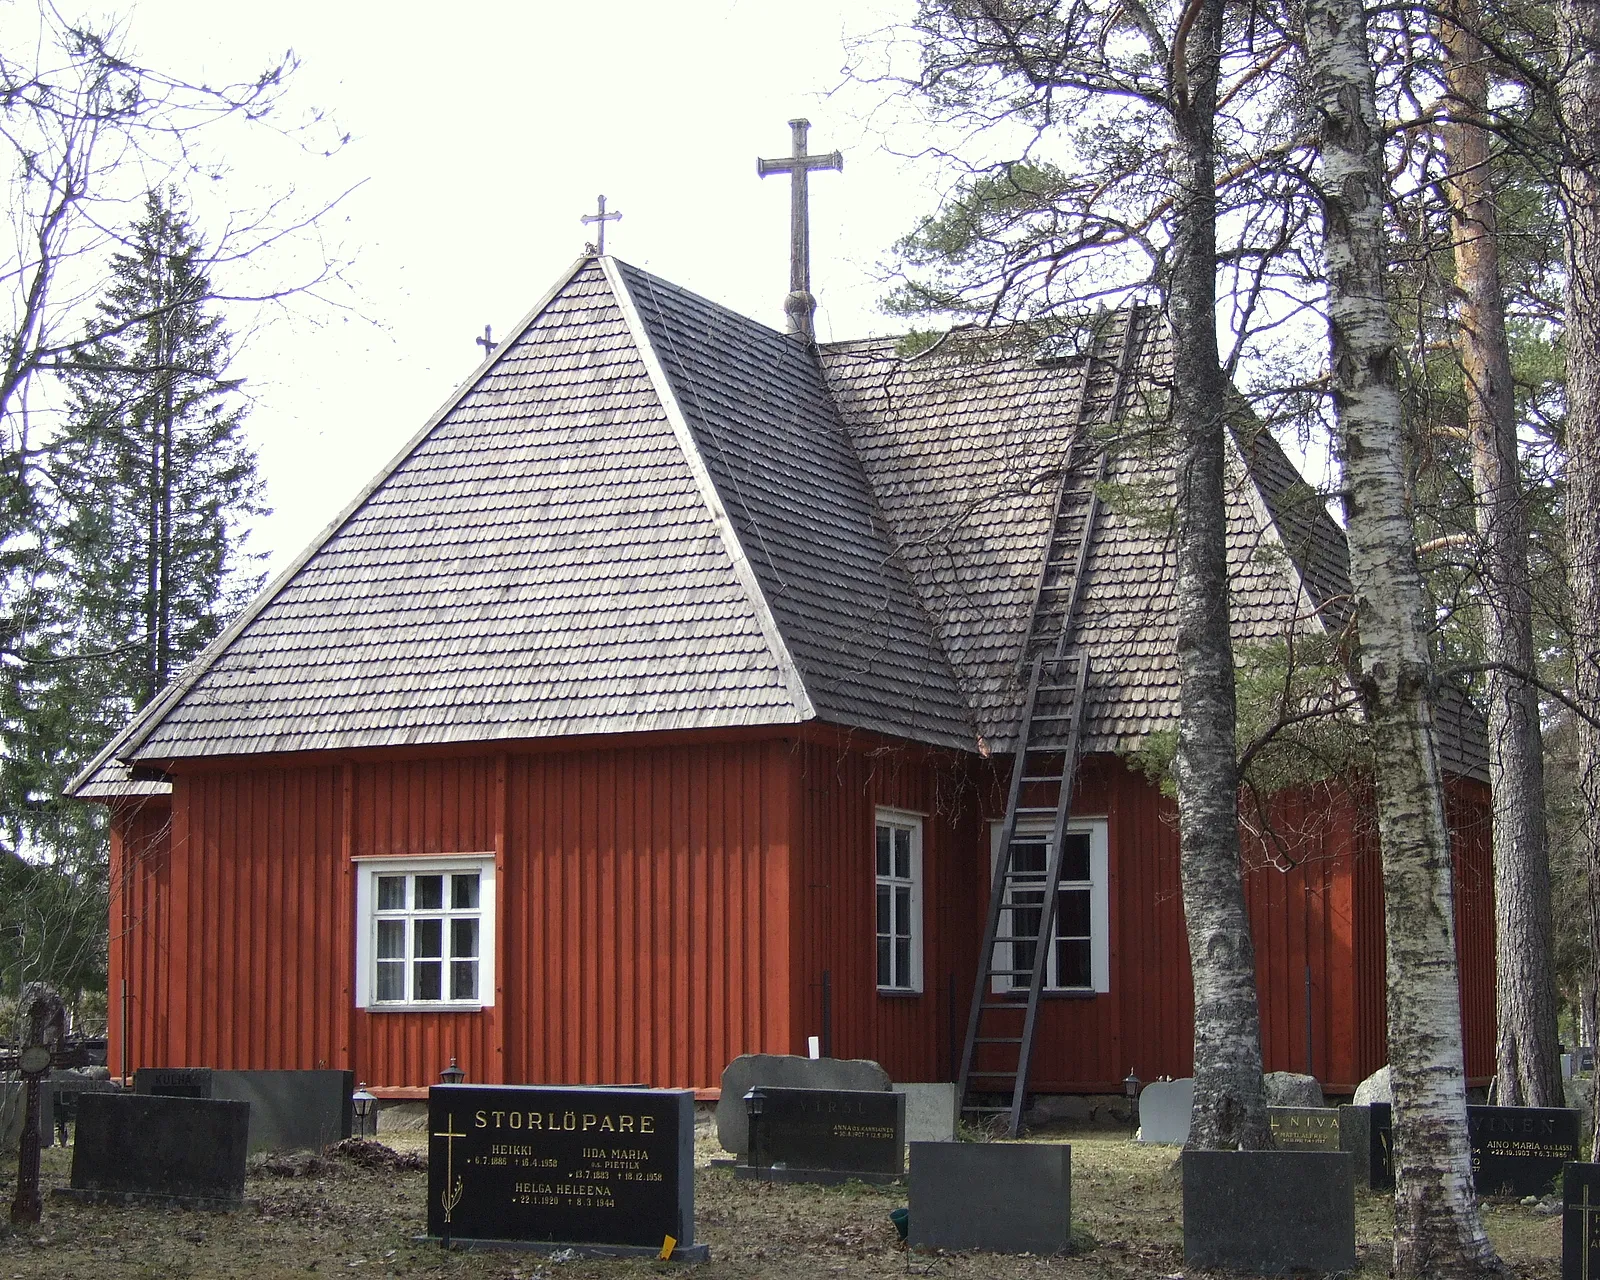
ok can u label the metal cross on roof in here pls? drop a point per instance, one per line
(487, 342)
(602, 218)
(800, 306)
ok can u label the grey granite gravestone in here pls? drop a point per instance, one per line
(598, 1170)
(932, 1111)
(152, 1148)
(58, 1101)
(1580, 1221)
(1305, 1128)
(1269, 1212)
(825, 1135)
(1165, 1107)
(790, 1071)
(13, 1114)
(1005, 1197)
(1356, 1138)
(291, 1110)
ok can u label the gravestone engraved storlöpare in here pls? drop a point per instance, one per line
(602, 1171)
(1005, 1197)
(1580, 1221)
(825, 1135)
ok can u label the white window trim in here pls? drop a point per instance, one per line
(903, 818)
(1099, 899)
(367, 872)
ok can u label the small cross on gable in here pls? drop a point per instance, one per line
(487, 342)
(602, 217)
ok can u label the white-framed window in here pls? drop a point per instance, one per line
(425, 932)
(1080, 951)
(897, 872)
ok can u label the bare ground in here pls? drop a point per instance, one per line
(339, 1217)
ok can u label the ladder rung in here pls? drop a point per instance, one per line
(1036, 808)
(1006, 1004)
(998, 1040)
(1045, 777)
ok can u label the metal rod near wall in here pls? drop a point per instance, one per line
(827, 1013)
(123, 1010)
(1311, 1066)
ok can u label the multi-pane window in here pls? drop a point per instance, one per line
(426, 933)
(898, 858)
(1078, 955)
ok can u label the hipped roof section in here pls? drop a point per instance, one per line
(600, 533)
(647, 512)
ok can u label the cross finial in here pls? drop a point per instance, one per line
(800, 305)
(487, 342)
(602, 218)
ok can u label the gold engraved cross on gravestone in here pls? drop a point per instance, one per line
(451, 1196)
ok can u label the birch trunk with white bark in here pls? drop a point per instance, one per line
(1438, 1230)
(1228, 1108)
(1579, 34)
(1527, 1060)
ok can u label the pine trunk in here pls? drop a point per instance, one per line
(1527, 1065)
(1580, 111)
(1438, 1230)
(1228, 1108)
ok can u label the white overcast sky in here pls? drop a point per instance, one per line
(480, 133)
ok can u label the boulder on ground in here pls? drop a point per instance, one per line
(787, 1071)
(1375, 1088)
(1289, 1089)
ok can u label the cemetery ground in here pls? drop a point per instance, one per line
(340, 1217)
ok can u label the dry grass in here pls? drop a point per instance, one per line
(348, 1220)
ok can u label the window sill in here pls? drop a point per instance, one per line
(899, 993)
(438, 1006)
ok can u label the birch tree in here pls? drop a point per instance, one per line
(1134, 94)
(1438, 1230)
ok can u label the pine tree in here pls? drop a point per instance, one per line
(141, 557)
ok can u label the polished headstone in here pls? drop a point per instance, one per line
(1305, 1128)
(1269, 1212)
(602, 1170)
(1165, 1108)
(825, 1135)
(1520, 1151)
(791, 1071)
(1005, 1197)
(1580, 1221)
(187, 1151)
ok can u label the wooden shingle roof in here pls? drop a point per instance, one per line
(646, 512)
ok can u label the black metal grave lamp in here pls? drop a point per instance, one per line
(364, 1106)
(452, 1074)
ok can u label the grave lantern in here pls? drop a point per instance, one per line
(452, 1074)
(364, 1106)
(1130, 1086)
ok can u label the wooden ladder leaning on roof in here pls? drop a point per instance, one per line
(1019, 936)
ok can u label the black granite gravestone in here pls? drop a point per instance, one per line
(1580, 1221)
(1305, 1128)
(602, 1171)
(1269, 1212)
(150, 1148)
(1006, 1197)
(1520, 1150)
(1381, 1151)
(825, 1135)
(173, 1082)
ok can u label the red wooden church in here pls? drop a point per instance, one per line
(657, 705)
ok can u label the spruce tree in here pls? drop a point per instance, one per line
(141, 557)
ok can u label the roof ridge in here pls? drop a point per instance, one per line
(149, 717)
(777, 645)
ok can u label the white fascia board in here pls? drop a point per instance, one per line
(793, 684)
